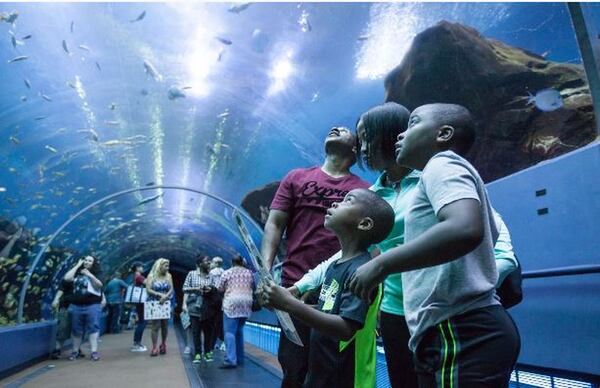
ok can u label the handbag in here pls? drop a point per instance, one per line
(136, 294)
(510, 291)
(154, 310)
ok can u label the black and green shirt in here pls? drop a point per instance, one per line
(334, 363)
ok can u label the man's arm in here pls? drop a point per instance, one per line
(329, 324)
(459, 231)
(274, 227)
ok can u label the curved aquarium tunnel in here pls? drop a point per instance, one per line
(132, 131)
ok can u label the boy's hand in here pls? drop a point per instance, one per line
(276, 297)
(294, 291)
(365, 279)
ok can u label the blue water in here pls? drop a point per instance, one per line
(254, 109)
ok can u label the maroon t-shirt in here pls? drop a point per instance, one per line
(306, 194)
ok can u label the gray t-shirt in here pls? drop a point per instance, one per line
(434, 294)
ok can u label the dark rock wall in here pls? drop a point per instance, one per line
(455, 64)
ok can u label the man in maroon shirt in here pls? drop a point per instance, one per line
(299, 209)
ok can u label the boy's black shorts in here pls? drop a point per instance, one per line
(476, 349)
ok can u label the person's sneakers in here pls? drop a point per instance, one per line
(187, 350)
(197, 358)
(163, 348)
(95, 356)
(138, 348)
(209, 357)
(227, 365)
(73, 356)
(55, 355)
(222, 347)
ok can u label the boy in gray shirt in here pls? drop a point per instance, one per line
(460, 334)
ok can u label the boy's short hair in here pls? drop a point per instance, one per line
(461, 119)
(380, 212)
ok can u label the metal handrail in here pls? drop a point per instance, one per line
(562, 271)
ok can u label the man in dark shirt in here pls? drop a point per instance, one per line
(299, 208)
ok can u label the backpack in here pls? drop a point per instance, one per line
(510, 291)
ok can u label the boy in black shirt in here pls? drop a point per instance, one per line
(342, 342)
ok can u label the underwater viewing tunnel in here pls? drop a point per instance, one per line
(134, 132)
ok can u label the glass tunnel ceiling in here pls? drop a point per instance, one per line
(216, 97)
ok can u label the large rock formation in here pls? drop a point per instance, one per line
(453, 63)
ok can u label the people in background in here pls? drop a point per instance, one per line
(159, 286)
(139, 280)
(215, 273)
(198, 290)
(298, 209)
(114, 299)
(60, 304)
(237, 285)
(86, 304)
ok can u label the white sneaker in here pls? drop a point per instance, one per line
(187, 350)
(223, 346)
(138, 348)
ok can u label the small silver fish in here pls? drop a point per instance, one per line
(304, 23)
(84, 47)
(9, 17)
(546, 100)
(151, 71)
(45, 97)
(19, 58)
(112, 123)
(175, 93)
(224, 40)
(72, 24)
(14, 41)
(98, 66)
(27, 83)
(2, 189)
(51, 149)
(363, 37)
(26, 37)
(23, 98)
(14, 140)
(149, 199)
(140, 17)
(112, 106)
(237, 8)
(65, 47)
(70, 84)
(38, 118)
(93, 134)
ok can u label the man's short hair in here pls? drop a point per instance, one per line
(200, 259)
(238, 260)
